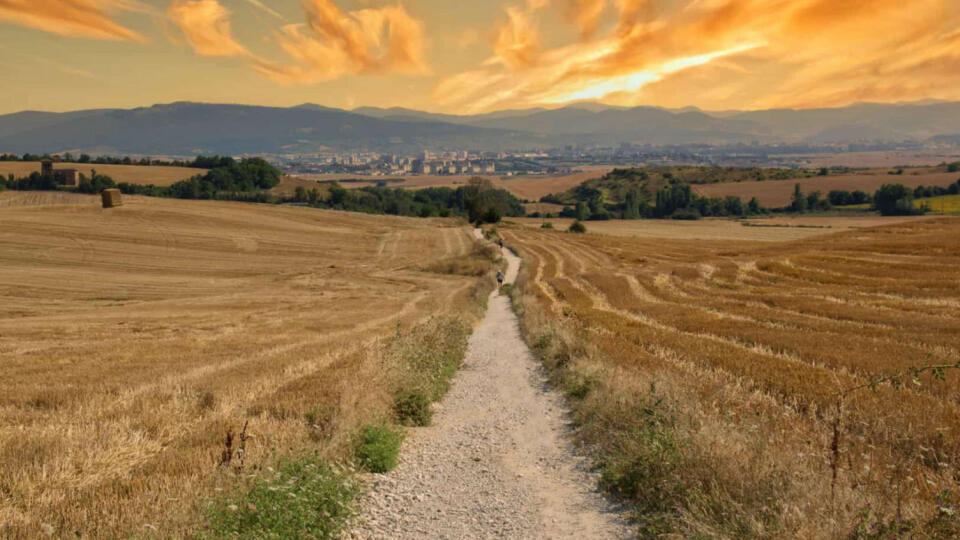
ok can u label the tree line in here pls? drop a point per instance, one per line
(479, 201)
(227, 179)
(199, 162)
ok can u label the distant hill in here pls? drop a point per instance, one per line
(195, 128)
(192, 128)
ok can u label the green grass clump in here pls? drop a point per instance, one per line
(378, 447)
(428, 357)
(413, 408)
(305, 497)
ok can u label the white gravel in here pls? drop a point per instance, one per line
(497, 461)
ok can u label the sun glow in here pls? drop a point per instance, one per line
(632, 82)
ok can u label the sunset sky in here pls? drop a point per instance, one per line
(474, 56)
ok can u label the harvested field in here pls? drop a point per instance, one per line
(133, 174)
(778, 229)
(133, 339)
(529, 187)
(893, 158)
(778, 193)
(15, 199)
(707, 374)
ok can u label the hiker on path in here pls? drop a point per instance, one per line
(499, 279)
(501, 244)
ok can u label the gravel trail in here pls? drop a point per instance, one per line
(497, 461)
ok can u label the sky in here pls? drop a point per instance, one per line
(467, 57)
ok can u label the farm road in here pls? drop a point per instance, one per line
(497, 461)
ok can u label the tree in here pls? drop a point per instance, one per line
(754, 206)
(582, 211)
(799, 203)
(300, 194)
(84, 158)
(895, 200)
(631, 208)
(954, 167)
(824, 171)
(859, 197)
(734, 206)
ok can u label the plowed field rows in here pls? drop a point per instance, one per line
(757, 339)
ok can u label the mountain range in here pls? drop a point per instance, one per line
(193, 128)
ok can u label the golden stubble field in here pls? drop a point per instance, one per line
(748, 343)
(132, 340)
(134, 174)
(775, 229)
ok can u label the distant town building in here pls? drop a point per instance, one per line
(66, 177)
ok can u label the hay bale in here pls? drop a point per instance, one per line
(112, 198)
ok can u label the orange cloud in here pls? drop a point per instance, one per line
(723, 53)
(334, 43)
(517, 42)
(206, 25)
(586, 14)
(75, 18)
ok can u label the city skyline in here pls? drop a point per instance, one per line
(432, 55)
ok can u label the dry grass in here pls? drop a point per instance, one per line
(134, 338)
(778, 193)
(739, 349)
(766, 230)
(133, 174)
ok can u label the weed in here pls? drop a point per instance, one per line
(377, 448)
(304, 497)
(413, 408)
(321, 422)
(239, 454)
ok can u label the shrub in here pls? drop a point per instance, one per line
(377, 448)
(413, 408)
(895, 200)
(577, 227)
(686, 215)
(302, 498)
(547, 225)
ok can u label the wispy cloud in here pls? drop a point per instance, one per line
(77, 18)
(266, 9)
(754, 53)
(334, 43)
(206, 26)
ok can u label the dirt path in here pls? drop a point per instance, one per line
(497, 461)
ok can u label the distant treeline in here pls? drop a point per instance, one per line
(478, 201)
(626, 194)
(249, 179)
(199, 162)
(227, 179)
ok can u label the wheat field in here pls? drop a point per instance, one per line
(133, 339)
(134, 174)
(750, 344)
